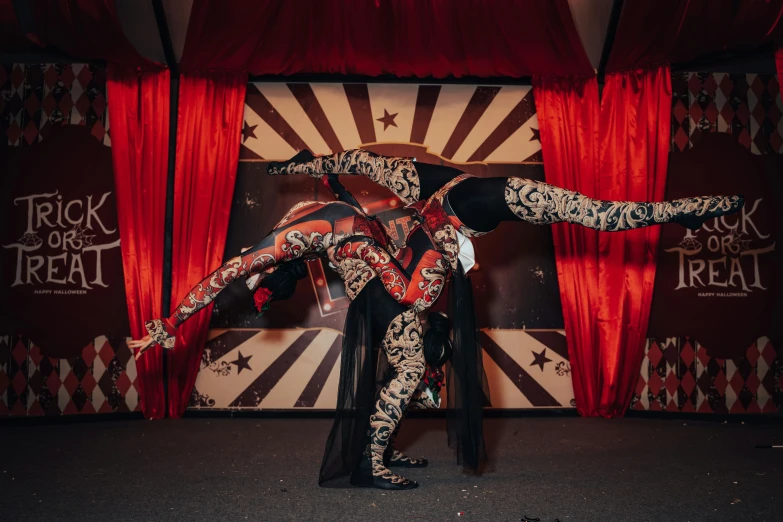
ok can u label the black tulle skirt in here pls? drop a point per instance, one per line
(364, 370)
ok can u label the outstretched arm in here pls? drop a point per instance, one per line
(164, 331)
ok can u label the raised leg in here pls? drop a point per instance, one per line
(540, 203)
(482, 203)
(397, 174)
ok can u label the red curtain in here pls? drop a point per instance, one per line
(568, 119)
(85, 29)
(635, 127)
(139, 115)
(672, 31)
(211, 108)
(396, 37)
(615, 149)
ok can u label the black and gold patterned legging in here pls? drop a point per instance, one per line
(482, 203)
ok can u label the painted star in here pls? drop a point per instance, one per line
(540, 359)
(536, 134)
(248, 132)
(388, 119)
(241, 363)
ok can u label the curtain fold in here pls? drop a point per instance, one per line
(616, 148)
(568, 119)
(635, 126)
(86, 29)
(211, 107)
(138, 104)
(421, 38)
(675, 31)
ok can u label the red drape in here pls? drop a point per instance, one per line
(139, 115)
(87, 29)
(672, 31)
(397, 37)
(211, 108)
(615, 149)
(568, 119)
(635, 127)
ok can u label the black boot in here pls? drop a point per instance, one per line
(695, 222)
(395, 459)
(363, 477)
(275, 168)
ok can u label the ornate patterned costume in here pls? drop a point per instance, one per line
(450, 203)
(413, 276)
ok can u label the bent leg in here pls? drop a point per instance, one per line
(397, 174)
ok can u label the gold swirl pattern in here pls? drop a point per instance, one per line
(403, 347)
(542, 204)
(397, 174)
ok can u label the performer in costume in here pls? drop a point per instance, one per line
(413, 276)
(477, 206)
(362, 254)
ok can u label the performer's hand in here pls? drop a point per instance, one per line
(141, 344)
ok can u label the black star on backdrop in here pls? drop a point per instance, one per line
(241, 363)
(536, 134)
(540, 359)
(248, 132)
(388, 119)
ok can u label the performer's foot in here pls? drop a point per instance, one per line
(275, 168)
(708, 208)
(396, 459)
(367, 476)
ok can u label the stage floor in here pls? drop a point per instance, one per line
(224, 469)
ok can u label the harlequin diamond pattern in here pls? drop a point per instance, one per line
(748, 106)
(101, 380)
(678, 375)
(36, 96)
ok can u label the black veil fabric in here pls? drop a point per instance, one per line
(466, 382)
(364, 370)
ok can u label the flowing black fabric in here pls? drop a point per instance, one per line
(364, 370)
(466, 382)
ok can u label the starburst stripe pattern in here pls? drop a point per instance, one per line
(292, 369)
(461, 123)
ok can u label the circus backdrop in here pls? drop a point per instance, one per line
(250, 362)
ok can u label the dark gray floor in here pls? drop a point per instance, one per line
(265, 469)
